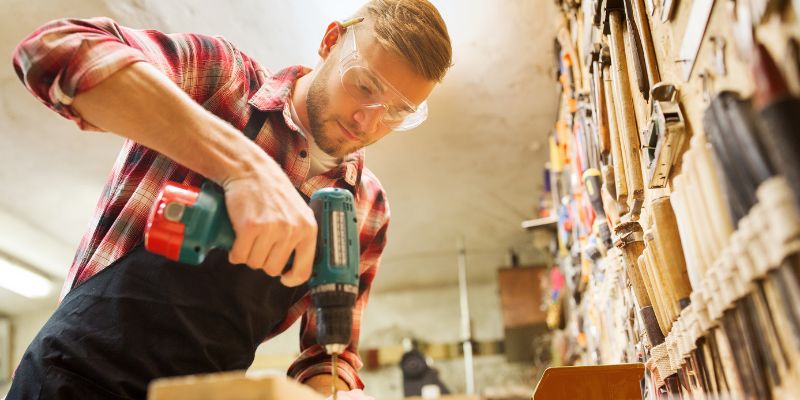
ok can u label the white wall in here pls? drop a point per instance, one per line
(23, 329)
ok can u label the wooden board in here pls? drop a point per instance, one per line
(230, 386)
(521, 295)
(596, 382)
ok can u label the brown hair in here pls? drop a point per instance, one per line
(415, 30)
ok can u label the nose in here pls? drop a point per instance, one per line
(368, 118)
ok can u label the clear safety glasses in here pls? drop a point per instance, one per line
(374, 92)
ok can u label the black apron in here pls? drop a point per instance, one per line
(145, 317)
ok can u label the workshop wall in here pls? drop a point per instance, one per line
(430, 315)
(674, 170)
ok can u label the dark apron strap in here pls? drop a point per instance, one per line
(254, 124)
(144, 317)
(253, 127)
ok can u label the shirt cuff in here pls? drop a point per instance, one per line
(88, 68)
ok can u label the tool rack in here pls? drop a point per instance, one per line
(697, 50)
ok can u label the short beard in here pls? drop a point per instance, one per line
(317, 102)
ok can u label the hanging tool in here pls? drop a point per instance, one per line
(668, 252)
(599, 94)
(791, 65)
(720, 68)
(630, 240)
(626, 120)
(592, 184)
(654, 285)
(636, 52)
(645, 38)
(186, 223)
(667, 9)
(619, 190)
(780, 112)
(586, 146)
(693, 36)
(665, 135)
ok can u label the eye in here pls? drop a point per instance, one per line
(401, 109)
(393, 113)
(364, 89)
(366, 84)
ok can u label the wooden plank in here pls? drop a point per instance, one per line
(230, 386)
(521, 295)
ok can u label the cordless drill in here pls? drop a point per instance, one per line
(186, 223)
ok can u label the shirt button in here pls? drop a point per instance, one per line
(350, 174)
(303, 153)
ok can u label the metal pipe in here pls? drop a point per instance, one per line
(466, 331)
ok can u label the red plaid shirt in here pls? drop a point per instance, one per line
(66, 57)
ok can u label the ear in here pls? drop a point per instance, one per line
(332, 35)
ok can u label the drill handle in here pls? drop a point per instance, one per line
(207, 225)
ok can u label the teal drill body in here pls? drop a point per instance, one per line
(207, 225)
(335, 275)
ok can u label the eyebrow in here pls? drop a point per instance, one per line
(377, 82)
(404, 102)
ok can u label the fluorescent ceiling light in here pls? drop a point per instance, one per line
(23, 281)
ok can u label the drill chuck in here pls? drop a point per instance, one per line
(333, 304)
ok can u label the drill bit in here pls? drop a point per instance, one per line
(333, 376)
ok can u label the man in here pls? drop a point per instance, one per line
(182, 101)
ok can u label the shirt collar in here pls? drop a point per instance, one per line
(273, 96)
(347, 174)
(273, 93)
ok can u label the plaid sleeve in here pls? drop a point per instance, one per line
(68, 56)
(313, 360)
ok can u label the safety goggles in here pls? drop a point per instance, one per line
(374, 92)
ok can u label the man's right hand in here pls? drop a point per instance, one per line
(271, 220)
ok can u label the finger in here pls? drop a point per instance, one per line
(263, 245)
(277, 258)
(242, 245)
(303, 261)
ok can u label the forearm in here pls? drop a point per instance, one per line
(140, 103)
(147, 86)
